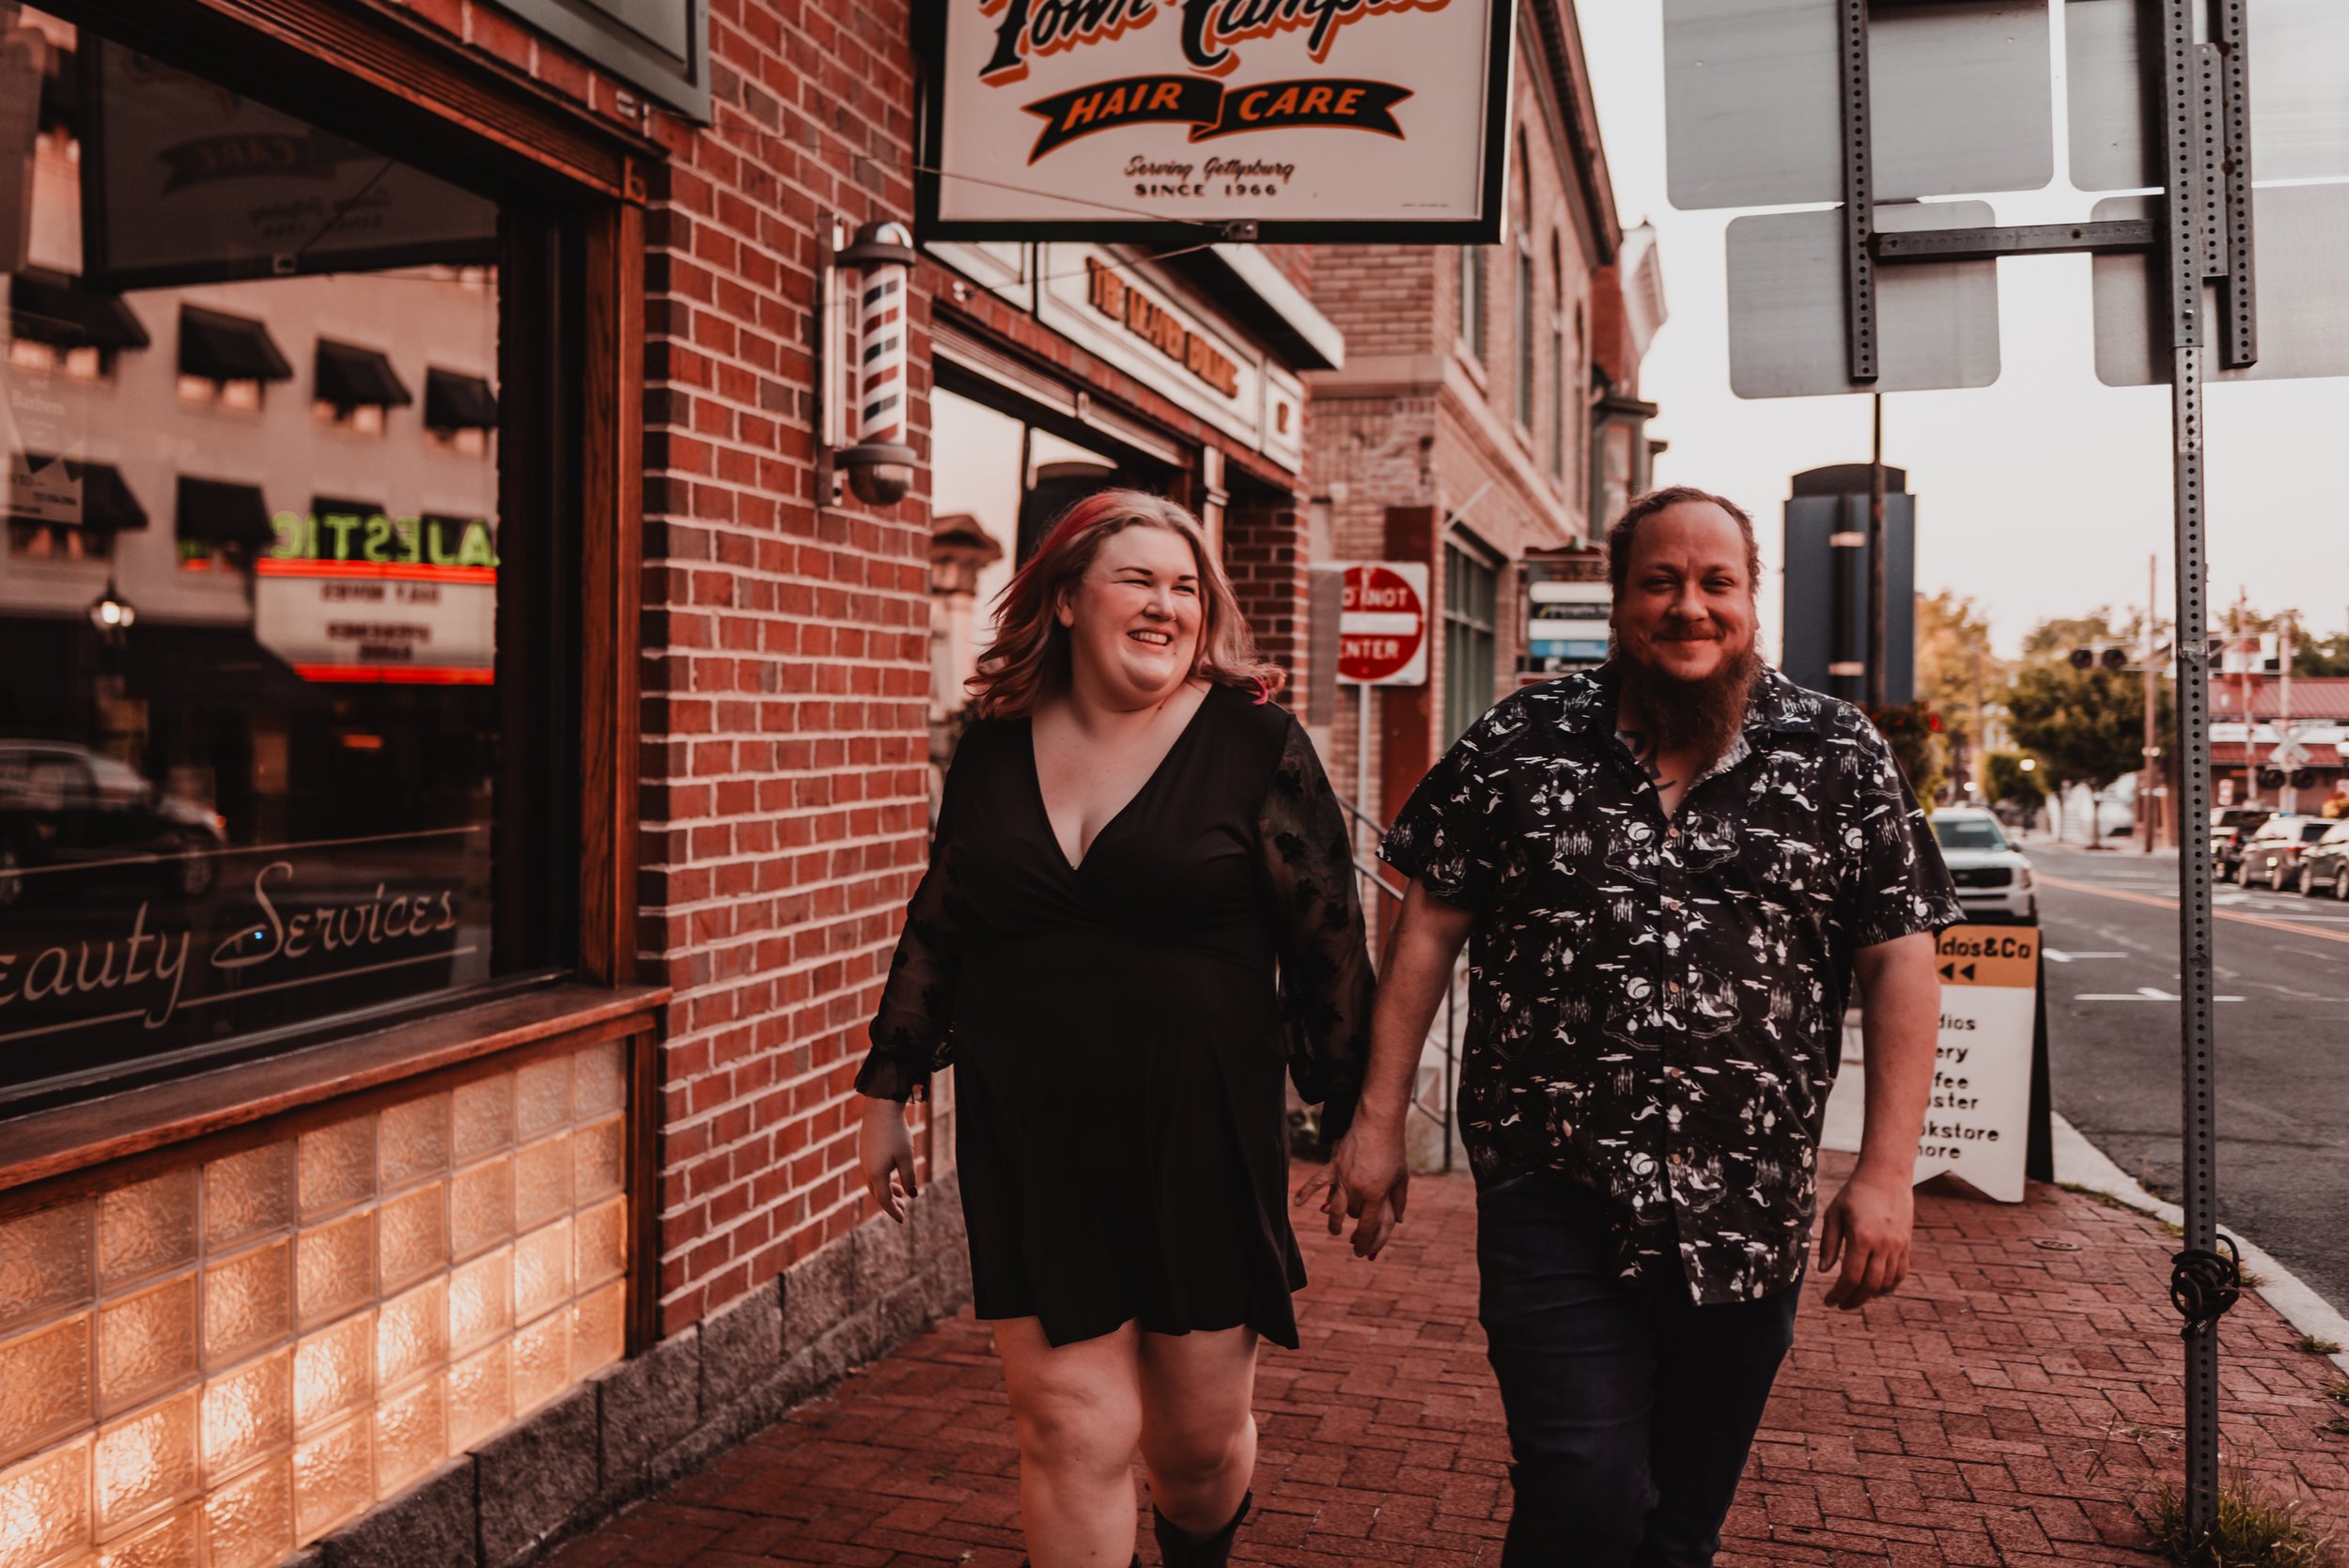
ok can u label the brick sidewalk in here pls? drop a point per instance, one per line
(2016, 1405)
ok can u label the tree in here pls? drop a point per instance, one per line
(2088, 726)
(2057, 638)
(1915, 734)
(1955, 668)
(2005, 779)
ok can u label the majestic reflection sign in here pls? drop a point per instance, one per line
(1267, 119)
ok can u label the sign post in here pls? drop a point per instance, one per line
(1762, 93)
(1382, 641)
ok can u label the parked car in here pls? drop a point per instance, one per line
(2230, 826)
(1994, 878)
(2325, 865)
(63, 805)
(2272, 855)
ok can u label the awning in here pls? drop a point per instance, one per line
(224, 347)
(456, 402)
(217, 512)
(49, 307)
(106, 501)
(349, 375)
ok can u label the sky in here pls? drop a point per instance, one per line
(2042, 495)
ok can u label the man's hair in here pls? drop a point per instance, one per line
(1626, 528)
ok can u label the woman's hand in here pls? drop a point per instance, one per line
(885, 1151)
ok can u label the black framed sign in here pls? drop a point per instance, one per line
(1171, 120)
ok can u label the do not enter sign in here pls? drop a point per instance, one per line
(1382, 629)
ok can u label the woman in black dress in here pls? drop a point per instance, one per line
(1140, 909)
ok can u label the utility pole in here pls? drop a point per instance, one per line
(2146, 831)
(2287, 797)
(1876, 593)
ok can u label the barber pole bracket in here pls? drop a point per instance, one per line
(875, 386)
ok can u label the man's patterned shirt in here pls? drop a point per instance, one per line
(1657, 1004)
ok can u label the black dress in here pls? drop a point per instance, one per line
(1119, 1028)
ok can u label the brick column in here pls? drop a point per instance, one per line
(1263, 551)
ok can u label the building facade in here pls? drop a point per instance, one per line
(1488, 411)
(465, 754)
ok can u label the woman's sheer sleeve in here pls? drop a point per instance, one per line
(913, 1034)
(1326, 981)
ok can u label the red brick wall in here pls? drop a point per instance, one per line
(785, 647)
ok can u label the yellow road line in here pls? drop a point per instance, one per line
(2286, 925)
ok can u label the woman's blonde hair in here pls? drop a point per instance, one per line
(1029, 659)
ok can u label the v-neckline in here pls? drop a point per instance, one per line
(1044, 807)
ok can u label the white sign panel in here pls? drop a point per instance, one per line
(1959, 94)
(2300, 233)
(1936, 322)
(1137, 118)
(1977, 1123)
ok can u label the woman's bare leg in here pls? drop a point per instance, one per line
(1077, 1408)
(1199, 1425)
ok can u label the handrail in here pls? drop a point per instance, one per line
(1448, 1020)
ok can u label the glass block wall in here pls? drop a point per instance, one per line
(220, 1363)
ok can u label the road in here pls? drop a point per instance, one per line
(2282, 966)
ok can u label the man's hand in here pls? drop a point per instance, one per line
(1369, 1180)
(1867, 1228)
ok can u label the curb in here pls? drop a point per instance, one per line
(2081, 1163)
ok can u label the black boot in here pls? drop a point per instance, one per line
(1177, 1550)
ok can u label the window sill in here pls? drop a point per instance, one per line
(62, 1140)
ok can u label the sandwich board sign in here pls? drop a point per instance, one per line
(1978, 1122)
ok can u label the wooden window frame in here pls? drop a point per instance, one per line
(352, 63)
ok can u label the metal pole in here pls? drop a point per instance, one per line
(2194, 144)
(1877, 699)
(2146, 775)
(1362, 764)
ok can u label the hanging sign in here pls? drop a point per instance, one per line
(1292, 120)
(1382, 624)
(1978, 1120)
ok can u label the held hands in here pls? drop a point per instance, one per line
(1368, 1181)
(885, 1154)
(1868, 1227)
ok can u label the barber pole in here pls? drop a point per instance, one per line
(881, 465)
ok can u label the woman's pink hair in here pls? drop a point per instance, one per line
(1029, 659)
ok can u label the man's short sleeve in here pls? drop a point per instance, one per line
(1899, 886)
(1446, 835)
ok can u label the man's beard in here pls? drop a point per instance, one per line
(1695, 717)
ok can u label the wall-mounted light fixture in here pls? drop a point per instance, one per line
(867, 325)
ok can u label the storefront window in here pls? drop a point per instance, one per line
(262, 724)
(1471, 593)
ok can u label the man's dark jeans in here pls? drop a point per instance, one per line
(1630, 1407)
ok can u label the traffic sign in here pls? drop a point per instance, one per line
(1382, 624)
(1753, 88)
(1938, 323)
(2299, 57)
(2302, 309)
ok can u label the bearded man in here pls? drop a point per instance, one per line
(1671, 868)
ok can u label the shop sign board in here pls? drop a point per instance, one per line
(1977, 1121)
(1100, 299)
(400, 600)
(1382, 624)
(183, 182)
(1151, 120)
